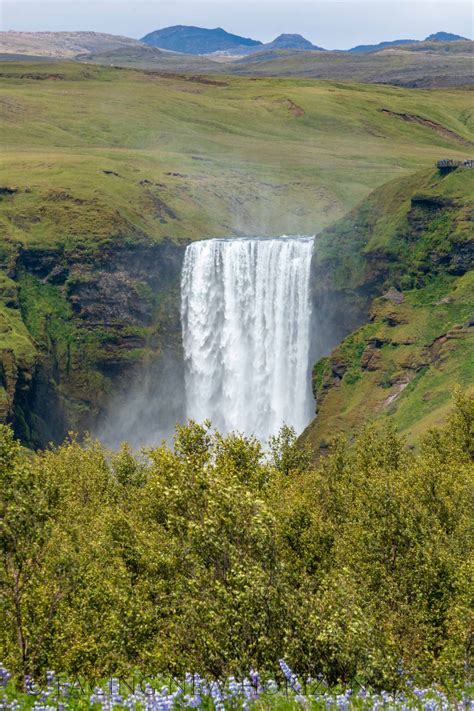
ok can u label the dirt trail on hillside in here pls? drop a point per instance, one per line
(428, 123)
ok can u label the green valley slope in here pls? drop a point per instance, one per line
(411, 241)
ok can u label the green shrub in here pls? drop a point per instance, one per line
(215, 557)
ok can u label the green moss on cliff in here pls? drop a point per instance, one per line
(405, 363)
(405, 230)
(17, 348)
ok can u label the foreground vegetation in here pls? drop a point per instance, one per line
(213, 558)
(194, 691)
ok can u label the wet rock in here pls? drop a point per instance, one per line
(58, 275)
(393, 320)
(393, 295)
(462, 259)
(4, 190)
(370, 359)
(377, 342)
(338, 365)
(431, 202)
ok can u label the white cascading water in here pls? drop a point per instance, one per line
(245, 313)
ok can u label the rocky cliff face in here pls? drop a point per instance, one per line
(92, 323)
(90, 337)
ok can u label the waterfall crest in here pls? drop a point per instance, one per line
(245, 314)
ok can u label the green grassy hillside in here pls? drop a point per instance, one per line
(106, 174)
(412, 240)
(95, 152)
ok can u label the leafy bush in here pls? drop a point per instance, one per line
(216, 557)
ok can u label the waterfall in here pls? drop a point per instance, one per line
(245, 314)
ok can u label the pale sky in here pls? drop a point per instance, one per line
(334, 24)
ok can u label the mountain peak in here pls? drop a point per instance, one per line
(291, 41)
(196, 40)
(444, 37)
(289, 36)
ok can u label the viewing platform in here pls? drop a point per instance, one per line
(446, 165)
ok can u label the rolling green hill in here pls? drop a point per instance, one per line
(95, 152)
(398, 66)
(107, 174)
(431, 64)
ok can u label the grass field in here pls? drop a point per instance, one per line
(96, 152)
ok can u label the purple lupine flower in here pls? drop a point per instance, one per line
(5, 676)
(256, 682)
(291, 678)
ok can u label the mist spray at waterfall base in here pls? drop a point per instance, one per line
(146, 412)
(245, 315)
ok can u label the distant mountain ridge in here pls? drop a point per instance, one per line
(197, 40)
(292, 42)
(437, 37)
(188, 44)
(381, 45)
(62, 44)
(444, 37)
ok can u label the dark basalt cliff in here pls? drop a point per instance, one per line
(95, 322)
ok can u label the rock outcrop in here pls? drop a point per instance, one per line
(91, 322)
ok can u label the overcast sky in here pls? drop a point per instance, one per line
(329, 23)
